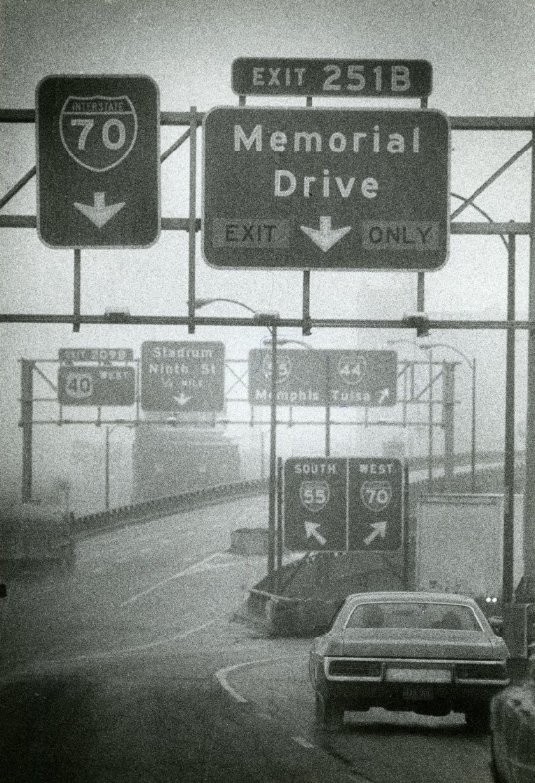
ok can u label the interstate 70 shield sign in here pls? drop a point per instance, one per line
(98, 131)
(98, 162)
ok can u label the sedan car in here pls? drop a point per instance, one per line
(512, 724)
(428, 653)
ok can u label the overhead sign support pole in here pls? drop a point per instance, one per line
(192, 216)
(509, 446)
(420, 291)
(26, 419)
(77, 288)
(272, 454)
(529, 493)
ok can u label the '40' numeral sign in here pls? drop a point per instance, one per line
(99, 131)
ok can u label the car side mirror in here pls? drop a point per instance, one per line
(496, 623)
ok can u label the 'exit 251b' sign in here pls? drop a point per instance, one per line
(338, 78)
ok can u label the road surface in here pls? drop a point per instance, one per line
(133, 670)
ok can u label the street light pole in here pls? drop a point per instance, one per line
(430, 427)
(472, 365)
(107, 471)
(269, 320)
(272, 455)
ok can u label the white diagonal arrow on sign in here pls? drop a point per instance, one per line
(98, 213)
(312, 530)
(326, 236)
(383, 395)
(182, 399)
(379, 529)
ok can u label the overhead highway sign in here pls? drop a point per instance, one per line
(343, 503)
(98, 168)
(375, 503)
(111, 385)
(102, 355)
(301, 377)
(332, 78)
(362, 378)
(315, 490)
(326, 188)
(182, 376)
(340, 378)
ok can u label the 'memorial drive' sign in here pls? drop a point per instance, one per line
(326, 188)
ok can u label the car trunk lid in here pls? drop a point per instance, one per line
(415, 643)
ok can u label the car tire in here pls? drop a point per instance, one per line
(329, 713)
(477, 719)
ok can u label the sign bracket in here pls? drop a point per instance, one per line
(77, 289)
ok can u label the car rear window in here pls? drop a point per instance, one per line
(413, 615)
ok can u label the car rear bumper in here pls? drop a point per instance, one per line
(401, 684)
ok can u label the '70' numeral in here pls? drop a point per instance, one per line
(86, 124)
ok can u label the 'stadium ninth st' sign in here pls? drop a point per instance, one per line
(326, 188)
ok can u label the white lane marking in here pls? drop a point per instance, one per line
(123, 650)
(191, 569)
(221, 674)
(303, 742)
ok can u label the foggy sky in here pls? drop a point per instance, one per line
(482, 57)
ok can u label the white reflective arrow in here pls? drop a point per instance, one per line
(326, 236)
(312, 530)
(383, 395)
(379, 529)
(182, 399)
(98, 213)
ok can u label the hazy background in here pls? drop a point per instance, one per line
(482, 57)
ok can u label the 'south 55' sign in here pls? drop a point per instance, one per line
(98, 180)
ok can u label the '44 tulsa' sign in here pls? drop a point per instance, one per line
(326, 188)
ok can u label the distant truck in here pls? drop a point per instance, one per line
(459, 546)
(35, 536)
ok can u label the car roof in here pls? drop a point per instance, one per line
(409, 596)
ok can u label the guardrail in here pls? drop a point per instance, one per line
(166, 506)
(148, 510)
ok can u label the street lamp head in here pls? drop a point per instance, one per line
(286, 341)
(202, 303)
(419, 321)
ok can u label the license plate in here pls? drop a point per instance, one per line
(417, 693)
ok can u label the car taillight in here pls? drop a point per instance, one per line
(480, 671)
(348, 668)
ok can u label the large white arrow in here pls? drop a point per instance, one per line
(312, 530)
(99, 213)
(326, 237)
(383, 395)
(182, 399)
(379, 529)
